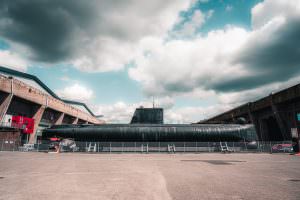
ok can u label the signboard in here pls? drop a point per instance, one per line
(7, 120)
(298, 117)
(24, 123)
(294, 132)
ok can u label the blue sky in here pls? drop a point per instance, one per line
(194, 57)
(226, 12)
(107, 86)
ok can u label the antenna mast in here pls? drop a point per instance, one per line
(153, 101)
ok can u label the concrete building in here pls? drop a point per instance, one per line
(275, 117)
(24, 95)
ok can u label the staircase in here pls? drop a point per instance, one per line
(145, 148)
(92, 148)
(224, 147)
(171, 148)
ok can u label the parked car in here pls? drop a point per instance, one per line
(285, 148)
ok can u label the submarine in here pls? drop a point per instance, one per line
(147, 126)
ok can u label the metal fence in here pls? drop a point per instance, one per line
(13, 125)
(154, 147)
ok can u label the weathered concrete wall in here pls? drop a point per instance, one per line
(273, 116)
(19, 97)
(31, 94)
(9, 139)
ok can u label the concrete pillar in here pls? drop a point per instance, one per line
(250, 113)
(254, 121)
(37, 119)
(60, 119)
(278, 119)
(75, 121)
(4, 106)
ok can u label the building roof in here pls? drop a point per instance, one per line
(41, 86)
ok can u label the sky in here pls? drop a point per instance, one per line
(195, 58)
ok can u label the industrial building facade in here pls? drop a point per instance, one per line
(276, 117)
(28, 105)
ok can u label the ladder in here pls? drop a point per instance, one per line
(171, 148)
(92, 148)
(224, 147)
(145, 148)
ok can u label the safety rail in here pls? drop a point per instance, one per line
(12, 125)
(154, 147)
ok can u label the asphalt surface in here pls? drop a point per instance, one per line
(148, 176)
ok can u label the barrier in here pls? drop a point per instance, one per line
(156, 147)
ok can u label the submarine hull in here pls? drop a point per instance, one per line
(153, 132)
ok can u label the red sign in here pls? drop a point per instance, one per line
(54, 139)
(24, 123)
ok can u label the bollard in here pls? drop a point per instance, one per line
(147, 148)
(158, 146)
(2, 145)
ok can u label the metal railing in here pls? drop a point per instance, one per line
(12, 125)
(154, 147)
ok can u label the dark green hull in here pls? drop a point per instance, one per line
(153, 132)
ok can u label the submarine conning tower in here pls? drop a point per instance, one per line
(148, 116)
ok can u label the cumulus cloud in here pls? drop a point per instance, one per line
(178, 67)
(94, 35)
(12, 60)
(232, 64)
(228, 60)
(76, 92)
(187, 27)
(121, 112)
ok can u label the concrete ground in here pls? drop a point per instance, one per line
(148, 176)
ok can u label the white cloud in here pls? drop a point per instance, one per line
(116, 113)
(65, 78)
(96, 35)
(197, 20)
(228, 8)
(210, 14)
(117, 43)
(189, 27)
(268, 10)
(121, 112)
(232, 65)
(76, 92)
(218, 60)
(193, 114)
(183, 66)
(12, 60)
